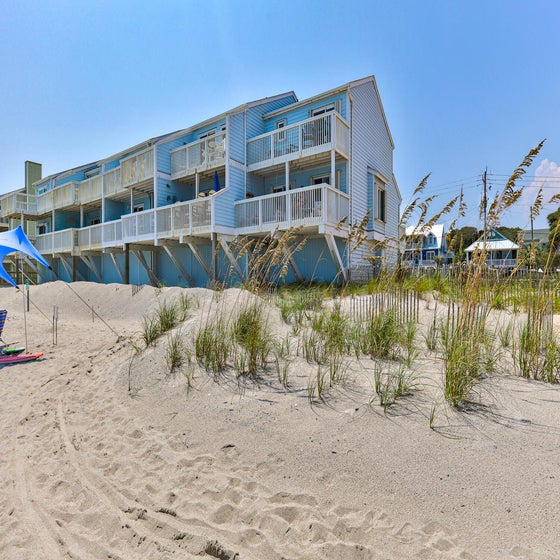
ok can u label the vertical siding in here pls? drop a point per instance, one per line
(371, 147)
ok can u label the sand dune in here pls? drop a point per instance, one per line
(234, 469)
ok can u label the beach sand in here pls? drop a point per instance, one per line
(248, 469)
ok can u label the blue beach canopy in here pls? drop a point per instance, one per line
(16, 240)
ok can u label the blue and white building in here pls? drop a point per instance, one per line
(167, 210)
(425, 247)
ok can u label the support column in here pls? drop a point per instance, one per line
(81, 215)
(127, 264)
(333, 171)
(288, 195)
(331, 243)
(196, 184)
(179, 265)
(214, 267)
(120, 272)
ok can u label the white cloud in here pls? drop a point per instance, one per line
(547, 177)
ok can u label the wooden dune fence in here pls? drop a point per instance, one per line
(404, 303)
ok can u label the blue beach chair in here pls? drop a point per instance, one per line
(3, 314)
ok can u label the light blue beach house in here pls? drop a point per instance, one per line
(167, 210)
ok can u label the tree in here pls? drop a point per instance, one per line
(459, 239)
(554, 235)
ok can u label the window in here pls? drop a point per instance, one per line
(431, 239)
(380, 207)
(335, 106)
(281, 188)
(278, 125)
(429, 255)
(138, 207)
(320, 179)
(94, 221)
(208, 133)
(326, 178)
(42, 229)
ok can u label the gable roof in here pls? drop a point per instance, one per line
(495, 241)
(437, 230)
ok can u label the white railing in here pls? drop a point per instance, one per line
(137, 168)
(59, 197)
(112, 233)
(320, 204)
(312, 136)
(100, 236)
(112, 183)
(90, 237)
(501, 263)
(56, 242)
(138, 226)
(90, 190)
(198, 156)
(174, 221)
(18, 203)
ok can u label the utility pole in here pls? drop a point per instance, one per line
(484, 202)
(532, 253)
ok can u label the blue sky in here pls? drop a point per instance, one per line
(465, 85)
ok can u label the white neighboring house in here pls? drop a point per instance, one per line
(425, 247)
(500, 251)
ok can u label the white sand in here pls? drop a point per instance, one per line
(252, 471)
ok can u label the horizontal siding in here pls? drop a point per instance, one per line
(170, 192)
(236, 137)
(255, 185)
(76, 176)
(164, 153)
(302, 112)
(108, 165)
(65, 220)
(303, 178)
(224, 204)
(255, 122)
(114, 209)
(371, 149)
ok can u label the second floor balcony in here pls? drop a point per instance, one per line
(306, 138)
(206, 154)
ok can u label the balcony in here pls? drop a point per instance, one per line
(91, 190)
(59, 198)
(137, 169)
(100, 236)
(18, 203)
(56, 242)
(307, 207)
(307, 138)
(200, 156)
(173, 222)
